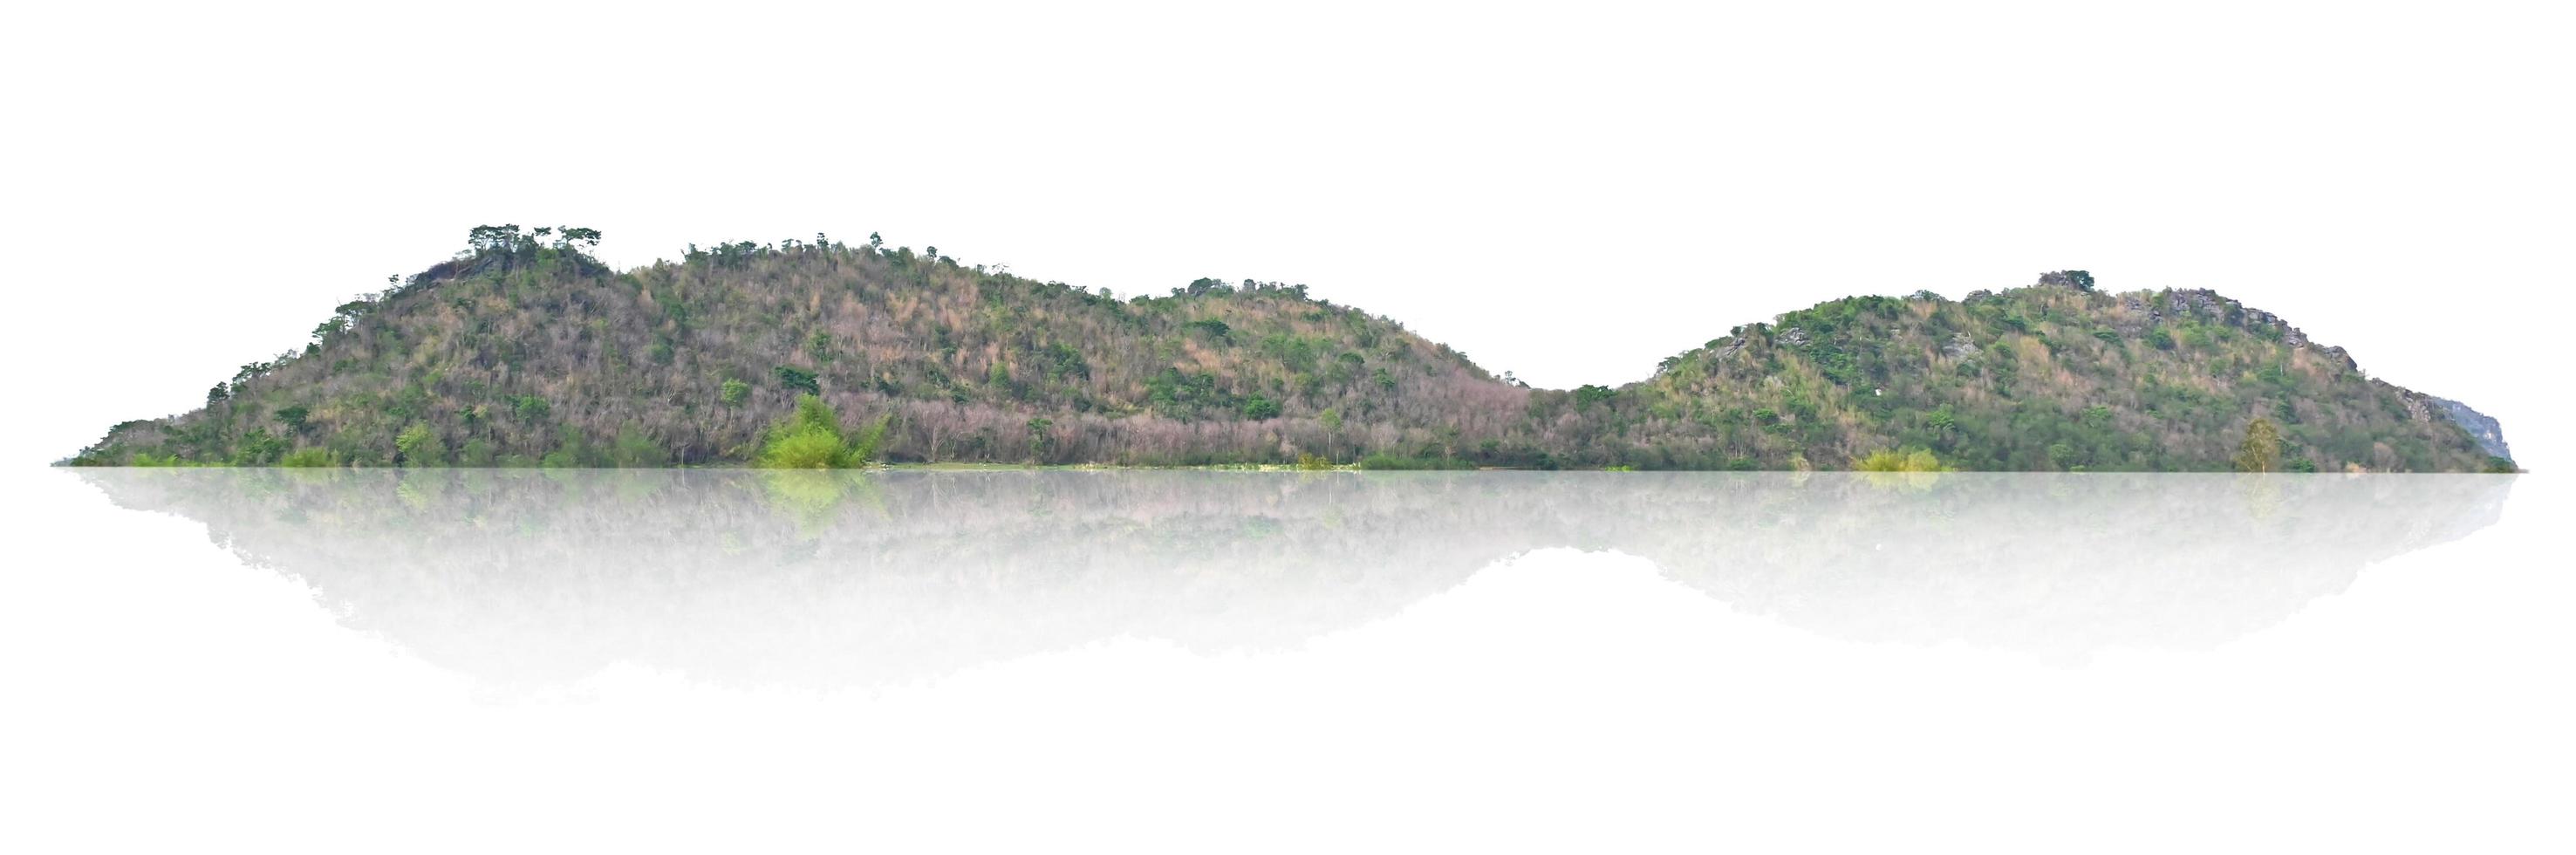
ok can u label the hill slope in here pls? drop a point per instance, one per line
(526, 351)
(2052, 376)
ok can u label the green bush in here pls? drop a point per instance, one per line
(1915, 460)
(309, 458)
(812, 438)
(420, 446)
(634, 449)
(798, 380)
(1393, 463)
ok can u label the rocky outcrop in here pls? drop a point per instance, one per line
(2489, 433)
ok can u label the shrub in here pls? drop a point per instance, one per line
(419, 446)
(635, 449)
(811, 438)
(258, 448)
(1393, 463)
(1915, 460)
(309, 458)
(798, 380)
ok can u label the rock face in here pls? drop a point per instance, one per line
(2489, 434)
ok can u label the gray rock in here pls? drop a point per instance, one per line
(2489, 433)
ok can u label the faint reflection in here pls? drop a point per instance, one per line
(533, 578)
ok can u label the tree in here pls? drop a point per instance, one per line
(1039, 440)
(501, 238)
(1331, 419)
(2261, 450)
(294, 417)
(798, 380)
(420, 446)
(734, 393)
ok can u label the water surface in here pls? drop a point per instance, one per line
(834, 579)
(912, 661)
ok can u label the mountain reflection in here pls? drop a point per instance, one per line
(531, 578)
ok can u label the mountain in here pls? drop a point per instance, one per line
(526, 350)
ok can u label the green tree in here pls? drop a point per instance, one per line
(2261, 450)
(293, 417)
(798, 380)
(420, 446)
(734, 393)
(1040, 440)
(635, 449)
(1331, 419)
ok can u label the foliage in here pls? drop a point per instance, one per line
(1397, 463)
(2261, 450)
(798, 380)
(1914, 460)
(523, 350)
(419, 445)
(314, 458)
(812, 438)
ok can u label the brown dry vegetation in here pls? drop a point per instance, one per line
(521, 352)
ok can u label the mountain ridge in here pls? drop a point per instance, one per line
(526, 350)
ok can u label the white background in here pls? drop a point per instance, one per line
(164, 696)
(1568, 192)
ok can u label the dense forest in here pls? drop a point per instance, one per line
(524, 350)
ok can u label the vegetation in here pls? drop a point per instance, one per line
(523, 350)
(2261, 450)
(812, 438)
(1917, 460)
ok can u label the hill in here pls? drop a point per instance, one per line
(525, 350)
(2053, 376)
